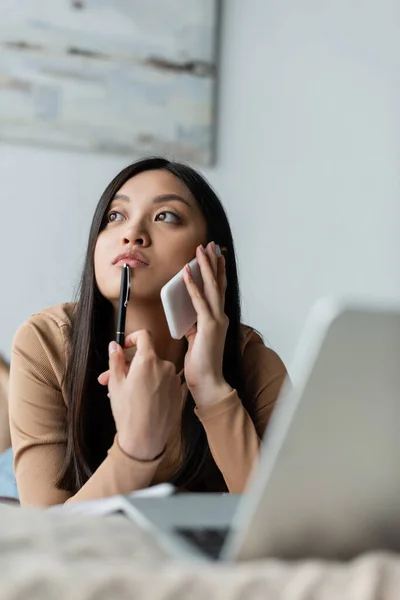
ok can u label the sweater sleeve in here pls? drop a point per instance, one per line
(234, 433)
(38, 419)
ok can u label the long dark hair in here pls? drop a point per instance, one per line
(91, 426)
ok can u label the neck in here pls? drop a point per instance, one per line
(150, 315)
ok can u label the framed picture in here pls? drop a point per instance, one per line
(113, 76)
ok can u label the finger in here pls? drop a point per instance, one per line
(210, 288)
(190, 335)
(199, 302)
(116, 362)
(142, 339)
(212, 256)
(221, 278)
(104, 377)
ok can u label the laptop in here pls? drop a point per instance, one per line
(327, 482)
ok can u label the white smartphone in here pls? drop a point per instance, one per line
(177, 304)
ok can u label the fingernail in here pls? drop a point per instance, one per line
(112, 347)
(216, 249)
(202, 249)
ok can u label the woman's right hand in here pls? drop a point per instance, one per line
(145, 397)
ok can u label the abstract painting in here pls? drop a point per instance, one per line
(113, 76)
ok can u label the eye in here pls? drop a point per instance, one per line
(113, 216)
(163, 216)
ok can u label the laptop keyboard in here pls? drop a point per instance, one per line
(208, 540)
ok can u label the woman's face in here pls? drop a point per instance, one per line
(153, 214)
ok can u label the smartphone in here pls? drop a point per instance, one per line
(177, 304)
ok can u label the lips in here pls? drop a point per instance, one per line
(133, 258)
(131, 262)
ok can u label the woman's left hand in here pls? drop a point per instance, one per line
(206, 339)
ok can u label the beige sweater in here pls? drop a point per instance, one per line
(38, 415)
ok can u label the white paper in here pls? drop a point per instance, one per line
(106, 506)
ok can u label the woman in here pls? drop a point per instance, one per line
(89, 419)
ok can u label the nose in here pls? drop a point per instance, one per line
(136, 234)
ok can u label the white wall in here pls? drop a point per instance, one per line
(307, 168)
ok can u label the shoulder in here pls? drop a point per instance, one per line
(62, 315)
(49, 320)
(263, 370)
(42, 340)
(254, 349)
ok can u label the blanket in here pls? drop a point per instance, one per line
(73, 557)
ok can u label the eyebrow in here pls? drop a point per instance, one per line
(156, 200)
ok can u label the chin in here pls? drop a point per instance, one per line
(109, 293)
(149, 298)
(112, 298)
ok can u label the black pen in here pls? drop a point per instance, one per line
(123, 303)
